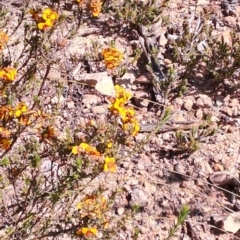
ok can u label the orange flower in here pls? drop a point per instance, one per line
(87, 231)
(3, 40)
(112, 57)
(110, 165)
(6, 112)
(5, 143)
(8, 74)
(85, 148)
(95, 7)
(23, 114)
(127, 114)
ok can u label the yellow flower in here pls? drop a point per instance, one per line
(85, 148)
(132, 126)
(23, 114)
(92, 206)
(95, 7)
(122, 94)
(3, 40)
(112, 57)
(127, 114)
(110, 165)
(88, 201)
(116, 106)
(8, 74)
(48, 19)
(136, 129)
(87, 231)
(109, 144)
(20, 109)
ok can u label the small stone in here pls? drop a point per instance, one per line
(188, 104)
(234, 103)
(139, 198)
(90, 99)
(140, 166)
(204, 101)
(141, 99)
(57, 100)
(120, 211)
(132, 182)
(128, 77)
(199, 113)
(98, 109)
(70, 104)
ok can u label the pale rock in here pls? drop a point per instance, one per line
(179, 101)
(58, 100)
(226, 36)
(140, 166)
(237, 11)
(98, 109)
(231, 20)
(199, 113)
(149, 188)
(139, 198)
(90, 99)
(162, 40)
(214, 119)
(70, 104)
(120, 211)
(141, 99)
(234, 103)
(204, 101)
(132, 182)
(127, 78)
(188, 104)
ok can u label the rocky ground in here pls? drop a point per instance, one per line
(198, 169)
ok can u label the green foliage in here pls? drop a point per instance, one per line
(184, 212)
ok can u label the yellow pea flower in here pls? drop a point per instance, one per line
(112, 57)
(87, 231)
(8, 74)
(95, 7)
(110, 165)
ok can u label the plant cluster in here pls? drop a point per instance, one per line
(79, 154)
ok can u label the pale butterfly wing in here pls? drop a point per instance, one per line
(106, 86)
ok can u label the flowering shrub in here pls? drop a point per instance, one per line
(88, 232)
(8, 74)
(46, 19)
(127, 114)
(110, 165)
(85, 149)
(95, 7)
(112, 57)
